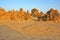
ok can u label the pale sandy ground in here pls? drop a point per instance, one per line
(33, 30)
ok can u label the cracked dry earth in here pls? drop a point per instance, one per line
(33, 30)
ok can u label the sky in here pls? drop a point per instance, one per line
(41, 5)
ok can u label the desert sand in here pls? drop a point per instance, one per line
(34, 30)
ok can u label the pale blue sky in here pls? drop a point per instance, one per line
(42, 5)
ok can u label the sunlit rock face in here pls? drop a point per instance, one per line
(52, 15)
(2, 11)
(34, 12)
(35, 15)
(40, 17)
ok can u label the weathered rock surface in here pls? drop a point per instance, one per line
(35, 15)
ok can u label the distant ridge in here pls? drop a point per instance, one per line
(35, 15)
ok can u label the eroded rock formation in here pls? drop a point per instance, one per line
(12, 15)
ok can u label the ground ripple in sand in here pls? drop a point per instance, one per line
(29, 31)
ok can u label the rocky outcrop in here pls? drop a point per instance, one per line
(28, 15)
(35, 12)
(40, 17)
(52, 15)
(14, 15)
(2, 12)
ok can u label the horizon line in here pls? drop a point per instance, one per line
(28, 9)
